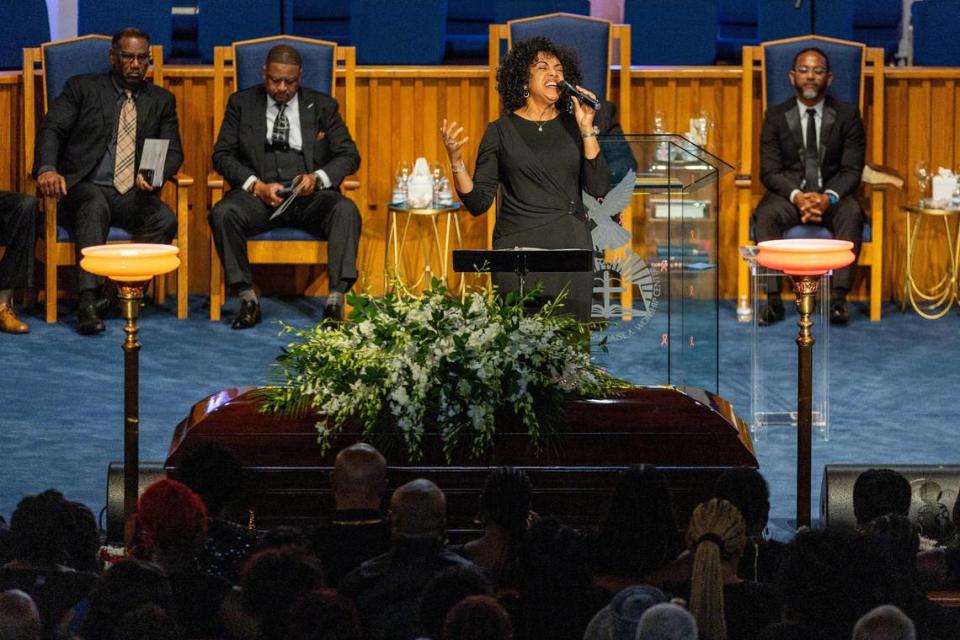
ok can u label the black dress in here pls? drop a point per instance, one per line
(540, 175)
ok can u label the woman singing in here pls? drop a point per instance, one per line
(541, 154)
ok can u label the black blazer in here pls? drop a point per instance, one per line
(842, 148)
(327, 145)
(77, 129)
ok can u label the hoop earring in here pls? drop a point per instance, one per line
(526, 93)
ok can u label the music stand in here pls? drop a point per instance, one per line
(522, 261)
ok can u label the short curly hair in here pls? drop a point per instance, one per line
(514, 72)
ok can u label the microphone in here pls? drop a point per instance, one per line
(572, 90)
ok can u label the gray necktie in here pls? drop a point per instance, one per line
(281, 128)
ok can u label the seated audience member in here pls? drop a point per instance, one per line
(940, 568)
(444, 590)
(619, 619)
(19, 618)
(639, 535)
(477, 618)
(147, 622)
(41, 531)
(724, 605)
(171, 526)
(217, 477)
(125, 587)
(747, 490)
(667, 621)
(386, 589)
(273, 581)
(18, 228)
(357, 530)
(505, 515)
(877, 492)
(886, 622)
(323, 615)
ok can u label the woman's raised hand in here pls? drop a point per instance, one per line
(583, 112)
(452, 142)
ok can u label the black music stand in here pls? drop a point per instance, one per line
(522, 261)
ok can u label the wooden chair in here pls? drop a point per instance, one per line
(58, 61)
(849, 62)
(242, 65)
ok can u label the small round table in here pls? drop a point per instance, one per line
(396, 242)
(931, 302)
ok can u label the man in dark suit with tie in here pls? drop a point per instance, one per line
(812, 151)
(87, 152)
(18, 220)
(273, 136)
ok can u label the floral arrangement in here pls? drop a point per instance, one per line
(402, 363)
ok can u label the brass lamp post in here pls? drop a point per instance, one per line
(805, 260)
(131, 266)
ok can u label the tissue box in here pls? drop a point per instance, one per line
(943, 187)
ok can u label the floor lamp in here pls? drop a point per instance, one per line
(131, 266)
(805, 260)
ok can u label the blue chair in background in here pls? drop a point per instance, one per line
(23, 23)
(834, 18)
(223, 21)
(323, 19)
(849, 62)
(672, 32)
(878, 23)
(736, 27)
(778, 19)
(58, 62)
(936, 24)
(242, 62)
(468, 27)
(506, 10)
(109, 16)
(391, 32)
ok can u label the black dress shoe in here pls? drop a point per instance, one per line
(333, 312)
(88, 322)
(249, 315)
(838, 312)
(771, 313)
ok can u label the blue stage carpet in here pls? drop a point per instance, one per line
(893, 399)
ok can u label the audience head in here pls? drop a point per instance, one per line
(639, 533)
(878, 492)
(273, 580)
(214, 474)
(667, 621)
(477, 618)
(19, 618)
(130, 57)
(40, 530)
(506, 500)
(171, 518)
(445, 589)
(359, 478)
(323, 615)
(886, 622)
(520, 73)
(126, 586)
(619, 619)
(83, 544)
(418, 511)
(147, 622)
(716, 536)
(747, 490)
(281, 73)
(810, 75)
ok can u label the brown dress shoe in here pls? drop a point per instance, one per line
(9, 322)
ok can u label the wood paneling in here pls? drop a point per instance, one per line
(400, 110)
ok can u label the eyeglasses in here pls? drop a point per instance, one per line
(818, 71)
(127, 58)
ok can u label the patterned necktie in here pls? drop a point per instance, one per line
(126, 146)
(811, 162)
(281, 128)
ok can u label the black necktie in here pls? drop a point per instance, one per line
(281, 128)
(811, 164)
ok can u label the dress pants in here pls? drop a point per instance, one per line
(775, 214)
(326, 214)
(18, 228)
(89, 210)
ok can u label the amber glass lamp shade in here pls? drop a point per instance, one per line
(130, 262)
(805, 257)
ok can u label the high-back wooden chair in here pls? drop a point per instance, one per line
(849, 62)
(240, 66)
(58, 62)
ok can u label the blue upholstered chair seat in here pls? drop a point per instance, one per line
(115, 234)
(813, 232)
(286, 234)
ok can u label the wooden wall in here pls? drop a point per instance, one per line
(400, 110)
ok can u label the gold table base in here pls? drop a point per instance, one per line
(397, 242)
(936, 301)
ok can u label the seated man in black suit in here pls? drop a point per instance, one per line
(275, 135)
(18, 224)
(87, 151)
(812, 151)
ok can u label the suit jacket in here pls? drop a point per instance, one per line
(842, 148)
(238, 153)
(80, 123)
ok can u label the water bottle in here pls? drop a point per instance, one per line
(744, 310)
(399, 195)
(446, 196)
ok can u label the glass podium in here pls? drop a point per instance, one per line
(656, 278)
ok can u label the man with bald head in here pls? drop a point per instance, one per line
(275, 136)
(386, 589)
(357, 530)
(19, 618)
